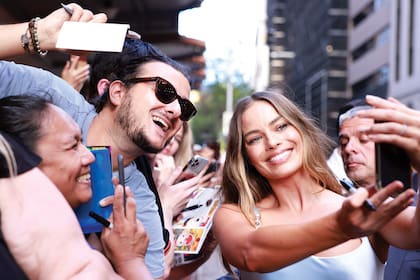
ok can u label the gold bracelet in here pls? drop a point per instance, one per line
(33, 30)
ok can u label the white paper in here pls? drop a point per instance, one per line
(91, 36)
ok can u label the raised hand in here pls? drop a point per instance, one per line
(49, 27)
(356, 220)
(125, 244)
(396, 124)
(76, 72)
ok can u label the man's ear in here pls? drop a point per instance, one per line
(117, 90)
(102, 85)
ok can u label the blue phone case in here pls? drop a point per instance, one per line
(101, 183)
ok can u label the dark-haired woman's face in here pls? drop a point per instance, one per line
(65, 160)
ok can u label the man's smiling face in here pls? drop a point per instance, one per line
(148, 122)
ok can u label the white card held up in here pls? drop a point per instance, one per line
(89, 36)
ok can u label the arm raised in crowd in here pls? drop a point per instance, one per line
(396, 124)
(20, 79)
(47, 29)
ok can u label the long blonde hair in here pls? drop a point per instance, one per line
(7, 153)
(242, 184)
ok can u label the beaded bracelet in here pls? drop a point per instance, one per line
(24, 39)
(33, 30)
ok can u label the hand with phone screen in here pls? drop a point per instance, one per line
(176, 191)
(125, 243)
(180, 184)
(368, 163)
(395, 124)
(212, 177)
(194, 166)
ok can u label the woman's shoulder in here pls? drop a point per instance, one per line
(227, 211)
(229, 207)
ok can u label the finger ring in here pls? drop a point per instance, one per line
(403, 130)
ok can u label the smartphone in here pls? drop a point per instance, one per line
(101, 184)
(392, 163)
(214, 165)
(193, 167)
(121, 176)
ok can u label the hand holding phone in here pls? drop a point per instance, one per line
(213, 167)
(102, 187)
(194, 166)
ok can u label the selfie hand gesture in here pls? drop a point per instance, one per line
(356, 220)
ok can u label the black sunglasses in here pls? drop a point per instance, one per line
(166, 93)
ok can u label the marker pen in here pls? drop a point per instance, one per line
(67, 9)
(101, 220)
(351, 189)
(192, 207)
(130, 33)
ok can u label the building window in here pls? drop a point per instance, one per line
(397, 43)
(411, 39)
(374, 84)
(377, 4)
(374, 42)
(363, 14)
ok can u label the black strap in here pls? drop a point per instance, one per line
(143, 166)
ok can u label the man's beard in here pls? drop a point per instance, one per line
(136, 135)
(139, 138)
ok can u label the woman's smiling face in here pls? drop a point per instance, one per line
(274, 147)
(65, 160)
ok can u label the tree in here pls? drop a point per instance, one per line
(207, 124)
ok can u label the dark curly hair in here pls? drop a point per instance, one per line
(124, 65)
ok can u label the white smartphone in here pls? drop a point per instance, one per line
(194, 166)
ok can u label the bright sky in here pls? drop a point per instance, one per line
(228, 27)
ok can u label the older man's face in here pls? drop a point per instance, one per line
(357, 151)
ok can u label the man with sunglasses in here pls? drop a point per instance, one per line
(144, 103)
(102, 76)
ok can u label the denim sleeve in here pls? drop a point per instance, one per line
(18, 79)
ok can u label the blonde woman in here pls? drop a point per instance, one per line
(284, 216)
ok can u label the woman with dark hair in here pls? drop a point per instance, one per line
(54, 136)
(27, 197)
